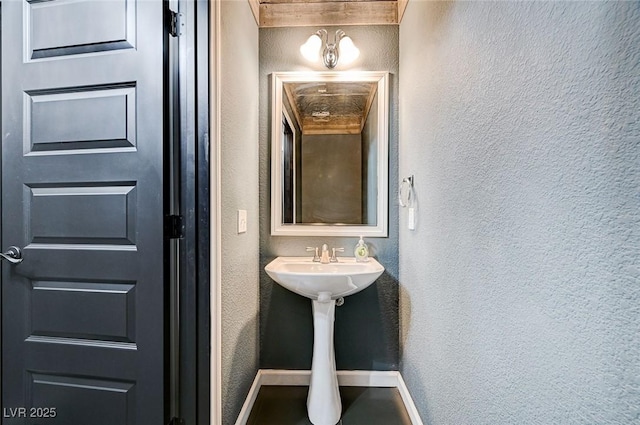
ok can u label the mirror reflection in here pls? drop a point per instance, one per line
(329, 154)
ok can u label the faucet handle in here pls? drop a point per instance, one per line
(316, 256)
(333, 258)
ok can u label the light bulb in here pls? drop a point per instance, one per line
(348, 51)
(311, 48)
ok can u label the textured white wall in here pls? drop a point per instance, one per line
(239, 159)
(520, 288)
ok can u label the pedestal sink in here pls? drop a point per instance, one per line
(323, 284)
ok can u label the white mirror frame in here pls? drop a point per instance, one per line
(278, 228)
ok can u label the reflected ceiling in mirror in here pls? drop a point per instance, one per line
(330, 107)
(329, 170)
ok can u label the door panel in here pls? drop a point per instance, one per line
(99, 26)
(83, 178)
(104, 118)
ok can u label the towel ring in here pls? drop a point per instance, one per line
(405, 191)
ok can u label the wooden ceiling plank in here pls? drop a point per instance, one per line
(367, 108)
(294, 104)
(329, 13)
(402, 6)
(314, 1)
(333, 125)
(255, 10)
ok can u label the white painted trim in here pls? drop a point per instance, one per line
(408, 402)
(368, 378)
(215, 277)
(347, 378)
(284, 377)
(380, 230)
(243, 417)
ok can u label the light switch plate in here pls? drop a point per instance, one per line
(242, 221)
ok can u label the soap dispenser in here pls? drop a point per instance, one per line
(362, 251)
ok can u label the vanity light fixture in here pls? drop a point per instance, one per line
(342, 48)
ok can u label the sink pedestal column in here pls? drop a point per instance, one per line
(323, 403)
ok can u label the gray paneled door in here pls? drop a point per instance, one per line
(83, 177)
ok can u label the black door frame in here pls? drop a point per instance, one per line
(194, 404)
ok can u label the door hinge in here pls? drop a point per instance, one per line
(176, 421)
(176, 23)
(174, 227)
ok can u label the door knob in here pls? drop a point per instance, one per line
(12, 255)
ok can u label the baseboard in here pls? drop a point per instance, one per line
(408, 402)
(346, 378)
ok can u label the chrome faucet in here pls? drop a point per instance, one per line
(324, 258)
(333, 258)
(316, 256)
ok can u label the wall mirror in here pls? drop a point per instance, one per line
(329, 153)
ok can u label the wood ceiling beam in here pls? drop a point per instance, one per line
(339, 125)
(402, 6)
(255, 10)
(313, 1)
(377, 12)
(293, 104)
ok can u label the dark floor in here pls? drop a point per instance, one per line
(287, 405)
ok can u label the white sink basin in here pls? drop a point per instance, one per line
(331, 281)
(323, 283)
